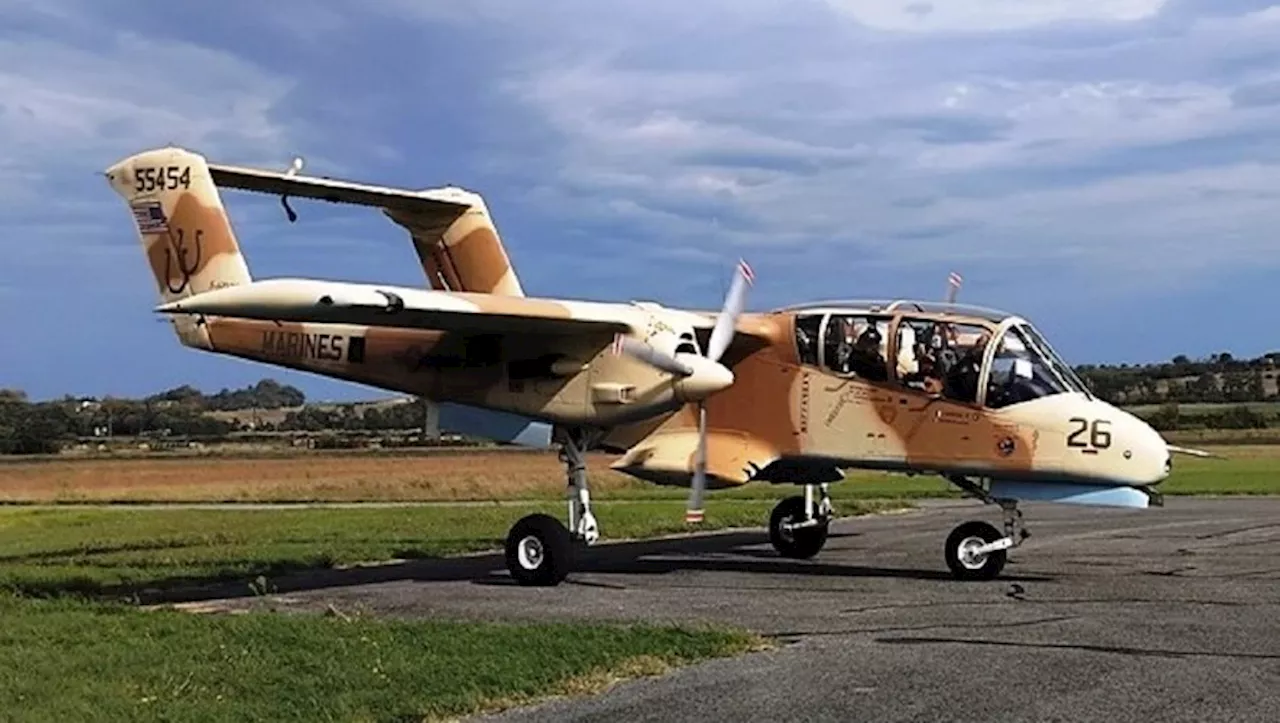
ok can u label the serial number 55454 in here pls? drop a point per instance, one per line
(162, 178)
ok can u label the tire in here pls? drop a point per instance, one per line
(970, 533)
(539, 551)
(800, 544)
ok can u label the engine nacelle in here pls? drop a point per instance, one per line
(626, 389)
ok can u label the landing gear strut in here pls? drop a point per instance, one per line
(798, 525)
(540, 549)
(976, 550)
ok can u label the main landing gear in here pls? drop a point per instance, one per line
(976, 550)
(798, 525)
(539, 548)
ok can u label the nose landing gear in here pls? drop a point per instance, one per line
(976, 550)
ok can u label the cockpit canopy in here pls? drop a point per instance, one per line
(986, 358)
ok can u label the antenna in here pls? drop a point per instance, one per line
(292, 171)
(954, 280)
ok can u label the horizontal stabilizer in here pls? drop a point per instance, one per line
(423, 203)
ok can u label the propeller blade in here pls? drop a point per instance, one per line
(632, 347)
(953, 286)
(721, 335)
(693, 514)
(734, 302)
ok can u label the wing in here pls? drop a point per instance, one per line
(420, 204)
(332, 302)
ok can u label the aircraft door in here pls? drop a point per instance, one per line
(937, 367)
(842, 399)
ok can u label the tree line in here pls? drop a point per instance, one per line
(184, 412)
(1217, 379)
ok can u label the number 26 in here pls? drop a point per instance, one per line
(1099, 434)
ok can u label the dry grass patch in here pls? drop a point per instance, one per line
(472, 475)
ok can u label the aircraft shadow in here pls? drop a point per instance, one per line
(650, 557)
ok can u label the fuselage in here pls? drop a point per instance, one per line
(796, 396)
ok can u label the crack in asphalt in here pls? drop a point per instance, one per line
(795, 636)
(1085, 647)
(1051, 601)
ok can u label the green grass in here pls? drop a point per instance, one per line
(69, 656)
(73, 660)
(115, 550)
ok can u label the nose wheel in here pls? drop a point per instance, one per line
(976, 551)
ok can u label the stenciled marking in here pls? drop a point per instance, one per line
(804, 403)
(854, 394)
(295, 345)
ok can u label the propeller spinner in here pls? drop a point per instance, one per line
(701, 376)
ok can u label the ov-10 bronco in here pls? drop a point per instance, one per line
(687, 398)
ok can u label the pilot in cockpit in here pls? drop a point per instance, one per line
(867, 361)
(923, 362)
(962, 377)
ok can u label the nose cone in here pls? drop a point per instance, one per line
(1146, 454)
(708, 378)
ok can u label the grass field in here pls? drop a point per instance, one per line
(70, 578)
(77, 660)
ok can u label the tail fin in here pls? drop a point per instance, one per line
(182, 224)
(465, 255)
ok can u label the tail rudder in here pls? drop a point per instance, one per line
(180, 219)
(467, 254)
(184, 229)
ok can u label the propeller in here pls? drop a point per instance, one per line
(721, 335)
(701, 376)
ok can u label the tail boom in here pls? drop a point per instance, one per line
(463, 254)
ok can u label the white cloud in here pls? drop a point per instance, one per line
(64, 105)
(989, 15)
(1064, 131)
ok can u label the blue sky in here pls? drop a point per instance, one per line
(1108, 168)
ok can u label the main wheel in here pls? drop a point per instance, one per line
(539, 551)
(800, 543)
(964, 564)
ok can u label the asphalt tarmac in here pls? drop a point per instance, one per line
(1103, 614)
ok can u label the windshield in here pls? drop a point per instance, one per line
(1064, 371)
(1020, 371)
